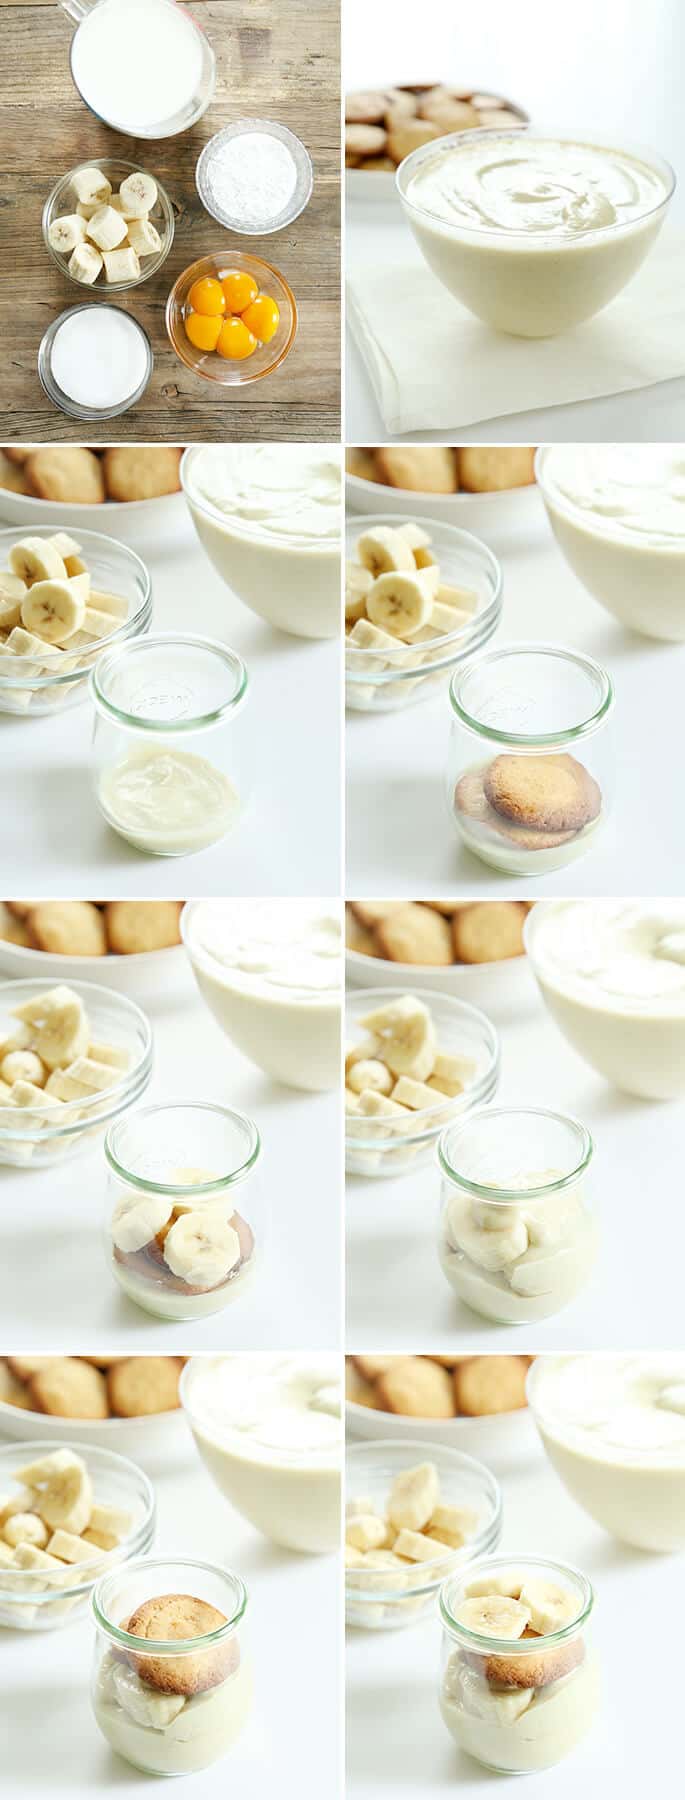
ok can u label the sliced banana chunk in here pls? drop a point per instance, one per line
(122, 265)
(70, 1548)
(85, 263)
(365, 636)
(202, 1248)
(415, 1094)
(414, 1496)
(64, 1035)
(90, 186)
(550, 1607)
(141, 1703)
(116, 604)
(137, 1218)
(25, 1528)
(415, 1546)
(110, 1053)
(138, 194)
(67, 1498)
(36, 559)
(461, 1520)
(494, 1615)
(365, 1531)
(34, 1099)
(144, 237)
(93, 1075)
(505, 1582)
(384, 550)
(407, 1037)
(366, 1074)
(414, 535)
(65, 233)
(106, 228)
(491, 1250)
(400, 603)
(55, 609)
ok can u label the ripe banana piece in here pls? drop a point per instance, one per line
(457, 1519)
(460, 599)
(414, 1496)
(35, 653)
(25, 1528)
(65, 545)
(550, 1607)
(136, 1219)
(144, 237)
(93, 1075)
(491, 1250)
(494, 1616)
(365, 1074)
(141, 1702)
(122, 264)
(71, 1548)
(415, 1546)
(97, 624)
(66, 1500)
(365, 636)
(65, 233)
(445, 620)
(12, 591)
(505, 1582)
(138, 194)
(90, 186)
(85, 263)
(486, 1703)
(64, 1035)
(365, 1531)
(401, 603)
(358, 583)
(54, 609)
(106, 229)
(16, 1503)
(36, 559)
(202, 1248)
(22, 1065)
(414, 535)
(24, 1093)
(39, 1008)
(373, 1105)
(416, 1095)
(37, 1474)
(109, 1053)
(407, 1037)
(384, 551)
(116, 604)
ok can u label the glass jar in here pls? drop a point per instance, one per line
(170, 769)
(176, 1241)
(518, 1238)
(517, 1704)
(530, 762)
(171, 1707)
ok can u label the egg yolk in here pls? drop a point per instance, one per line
(202, 331)
(207, 297)
(261, 317)
(239, 289)
(235, 341)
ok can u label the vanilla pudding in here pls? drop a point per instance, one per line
(157, 1734)
(270, 518)
(613, 1427)
(271, 973)
(167, 801)
(612, 973)
(269, 1428)
(533, 232)
(618, 514)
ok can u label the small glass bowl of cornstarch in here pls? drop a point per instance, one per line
(254, 177)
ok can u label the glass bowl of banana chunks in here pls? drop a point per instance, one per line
(63, 600)
(419, 599)
(108, 225)
(413, 1063)
(72, 1059)
(68, 1514)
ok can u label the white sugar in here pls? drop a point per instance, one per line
(249, 179)
(99, 357)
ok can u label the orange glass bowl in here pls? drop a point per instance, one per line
(266, 357)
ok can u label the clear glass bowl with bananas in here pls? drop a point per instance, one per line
(108, 225)
(63, 600)
(414, 1515)
(419, 599)
(71, 1060)
(413, 1063)
(68, 1514)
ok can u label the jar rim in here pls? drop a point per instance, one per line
(173, 1646)
(477, 1640)
(502, 1195)
(218, 1184)
(570, 734)
(161, 640)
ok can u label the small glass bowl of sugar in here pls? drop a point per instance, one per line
(255, 177)
(95, 361)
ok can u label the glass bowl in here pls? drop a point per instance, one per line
(375, 1145)
(302, 190)
(113, 569)
(376, 1598)
(28, 1137)
(413, 672)
(266, 357)
(63, 200)
(43, 1599)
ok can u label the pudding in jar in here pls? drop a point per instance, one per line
(269, 1428)
(618, 514)
(520, 1682)
(612, 973)
(534, 232)
(270, 519)
(271, 973)
(613, 1427)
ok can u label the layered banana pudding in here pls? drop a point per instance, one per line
(400, 1546)
(269, 516)
(56, 1537)
(404, 1080)
(613, 1427)
(517, 1241)
(618, 514)
(520, 1684)
(271, 973)
(612, 973)
(183, 1254)
(533, 232)
(269, 1429)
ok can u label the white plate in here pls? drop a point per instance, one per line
(498, 1440)
(372, 187)
(134, 522)
(152, 977)
(492, 517)
(499, 988)
(143, 1440)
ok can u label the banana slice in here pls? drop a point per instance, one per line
(54, 609)
(460, 599)
(65, 545)
(144, 237)
(445, 620)
(141, 1703)
(116, 604)
(407, 1037)
(122, 264)
(36, 1474)
(414, 535)
(106, 229)
(365, 636)
(111, 1519)
(506, 1582)
(12, 591)
(65, 233)
(137, 1218)
(26, 1094)
(494, 1616)
(417, 1095)
(23, 1065)
(459, 1520)
(17, 1503)
(414, 1496)
(491, 1250)
(550, 1607)
(384, 550)
(97, 624)
(90, 186)
(64, 1035)
(401, 603)
(71, 1548)
(93, 1075)
(25, 1528)
(365, 1531)
(358, 583)
(85, 263)
(35, 654)
(39, 1008)
(415, 1546)
(202, 1248)
(66, 1500)
(109, 1053)
(362, 1075)
(138, 194)
(36, 559)
(373, 1105)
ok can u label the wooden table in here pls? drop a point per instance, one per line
(276, 59)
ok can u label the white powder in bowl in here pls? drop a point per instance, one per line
(99, 357)
(247, 180)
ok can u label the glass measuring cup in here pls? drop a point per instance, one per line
(175, 63)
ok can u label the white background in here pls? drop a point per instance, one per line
(396, 1740)
(51, 1744)
(56, 1289)
(401, 840)
(612, 65)
(397, 1295)
(55, 840)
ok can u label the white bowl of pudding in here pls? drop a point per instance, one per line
(534, 230)
(270, 518)
(269, 1429)
(613, 1427)
(618, 514)
(271, 973)
(612, 973)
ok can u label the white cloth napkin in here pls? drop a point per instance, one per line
(433, 366)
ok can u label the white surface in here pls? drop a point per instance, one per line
(397, 1294)
(290, 726)
(587, 79)
(401, 840)
(393, 1676)
(55, 1285)
(51, 1743)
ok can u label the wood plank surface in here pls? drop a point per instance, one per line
(276, 59)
